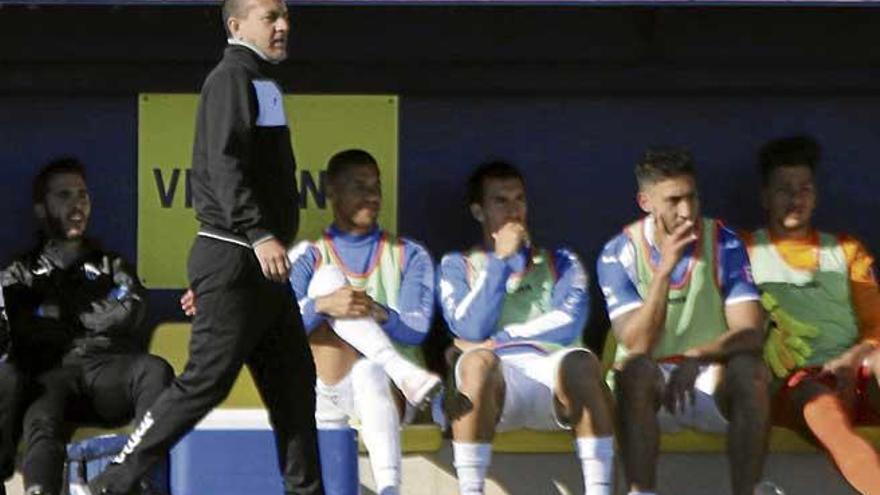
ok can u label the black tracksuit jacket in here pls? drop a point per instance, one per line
(232, 199)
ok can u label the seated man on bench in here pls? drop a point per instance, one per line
(366, 298)
(11, 400)
(822, 295)
(688, 325)
(74, 311)
(516, 312)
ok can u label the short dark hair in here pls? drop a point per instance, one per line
(231, 8)
(344, 161)
(493, 169)
(57, 166)
(788, 152)
(664, 162)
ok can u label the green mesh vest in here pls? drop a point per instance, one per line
(381, 281)
(820, 297)
(529, 293)
(695, 309)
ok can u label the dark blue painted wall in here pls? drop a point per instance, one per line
(101, 131)
(572, 95)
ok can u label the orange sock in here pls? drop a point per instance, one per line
(855, 457)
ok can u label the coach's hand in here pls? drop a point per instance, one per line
(188, 303)
(273, 260)
(345, 302)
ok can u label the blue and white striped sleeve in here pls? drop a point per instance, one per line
(303, 258)
(565, 321)
(615, 269)
(735, 270)
(472, 312)
(410, 322)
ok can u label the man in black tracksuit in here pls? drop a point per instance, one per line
(75, 353)
(244, 194)
(11, 395)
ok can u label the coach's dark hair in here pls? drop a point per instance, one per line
(494, 169)
(344, 161)
(663, 162)
(231, 8)
(57, 166)
(788, 152)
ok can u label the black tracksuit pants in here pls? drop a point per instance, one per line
(12, 400)
(105, 389)
(242, 318)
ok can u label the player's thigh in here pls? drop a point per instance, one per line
(529, 380)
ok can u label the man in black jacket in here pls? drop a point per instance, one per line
(11, 397)
(244, 194)
(74, 313)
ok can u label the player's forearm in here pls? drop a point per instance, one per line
(645, 326)
(857, 354)
(406, 328)
(554, 327)
(475, 317)
(410, 321)
(311, 317)
(728, 344)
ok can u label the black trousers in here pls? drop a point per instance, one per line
(100, 389)
(12, 401)
(242, 318)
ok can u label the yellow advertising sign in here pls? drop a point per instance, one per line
(321, 125)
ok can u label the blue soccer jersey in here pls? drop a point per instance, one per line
(616, 269)
(472, 310)
(410, 322)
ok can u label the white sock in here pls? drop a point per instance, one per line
(471, 461)
(642, 493)
(380, 423)
(597, 464)
(330, 413)
(364, 334)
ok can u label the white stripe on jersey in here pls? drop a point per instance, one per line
(542, 324)
(462, 308)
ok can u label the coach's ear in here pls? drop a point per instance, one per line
(232, 27)
(477, 212)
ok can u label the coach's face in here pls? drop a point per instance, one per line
(265, 25)
(66, 208)
(356, 196)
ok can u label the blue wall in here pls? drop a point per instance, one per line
(577, 154)
(572, 95)
(101, 131)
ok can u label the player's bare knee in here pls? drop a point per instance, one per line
(637, 379)
(479, 371)
(580, 375)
